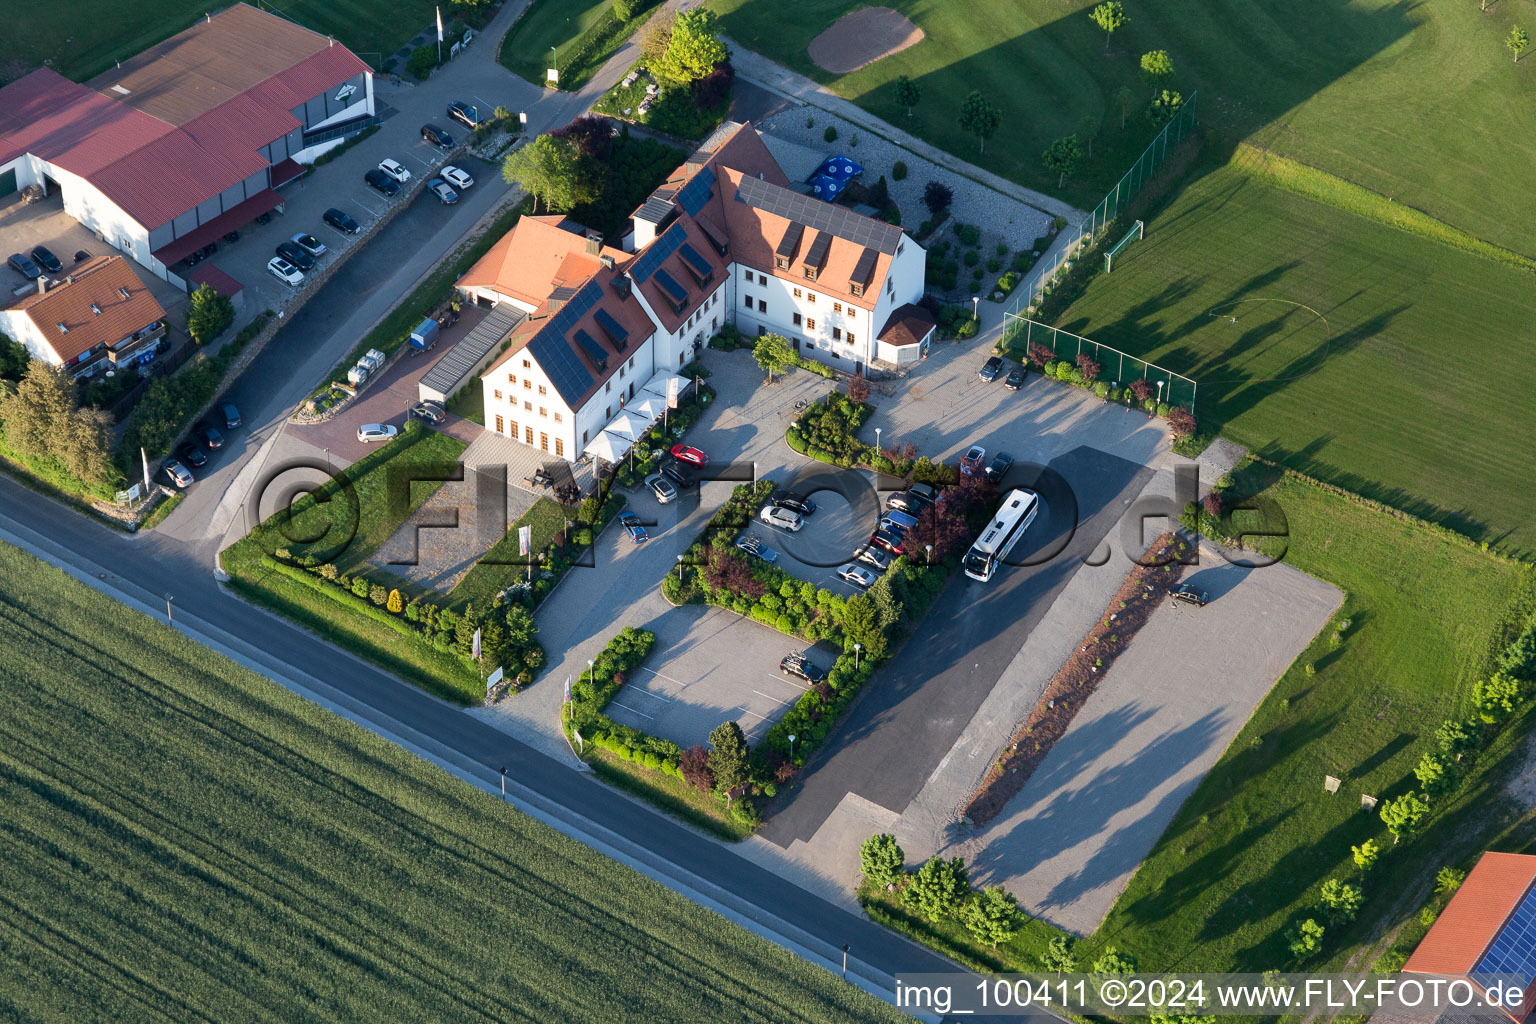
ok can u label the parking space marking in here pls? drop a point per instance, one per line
(776, 700)
(485, 103)
(753, 714)
(371, 211)
(626, 707)
(425, 163)
(791, 681)
(679, 684)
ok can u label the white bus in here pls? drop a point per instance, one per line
(1008, 524)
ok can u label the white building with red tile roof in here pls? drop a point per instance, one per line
(725, 241)
(190, 139)
(99, 317)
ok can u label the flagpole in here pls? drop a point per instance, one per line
(439, 35)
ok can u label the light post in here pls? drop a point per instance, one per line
(877, 441)
(856, 649)
(591, 671)
(328, 466)
(503, 783)
(679, 568)
(930, 553)
(846, 947)
(975, 307)
(791, 747)
(1159, 400)
(168, 620)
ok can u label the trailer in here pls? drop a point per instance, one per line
(425, 335)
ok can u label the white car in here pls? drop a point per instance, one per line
(783, 518)
(285, 272)
(395, 170)
(370, 432)
(309, 243)
(178, 474)
(971, 461)
(456, 177)
(856, 574)
(445, 195)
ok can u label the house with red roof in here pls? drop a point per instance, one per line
(100, 317)
(600, 332)
(189, 140)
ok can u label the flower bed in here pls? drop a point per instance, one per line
(1143, 590)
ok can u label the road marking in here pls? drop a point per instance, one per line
(489, 106)
(371, 211)
(776, 700)
(790, 681)
(626, 707)
(753, 714)
(680, 685)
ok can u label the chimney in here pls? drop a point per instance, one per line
(607, 262)
(594, 243)
(42, 284)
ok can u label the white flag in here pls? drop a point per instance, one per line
(439, 24)
(475, 647)
(567, 689)
(671, 392)
(524, 539)
(145, 459)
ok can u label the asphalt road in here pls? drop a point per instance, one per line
(901, 728)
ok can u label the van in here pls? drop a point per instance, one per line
(897, 518)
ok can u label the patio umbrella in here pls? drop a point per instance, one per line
(657, 385)
(607, 447)
(647, 405)
(627, 425)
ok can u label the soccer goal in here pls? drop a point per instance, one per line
(1137, 232)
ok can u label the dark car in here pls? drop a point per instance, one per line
(232, 237)
(25, 267)
(793, 501)
(429, 412)
(991, 368)
(46, 259)
(1001, 463)
(296, 255)
(208, 436)
(340, 221)
(905, 501)
(192, 455)
(465, 114)
(675, 472)
(1015, 379)
(434, 135)
(887, 540)
(382, 182)
(798, 664)
(1184, 593)
(231, 415)
(925, 493)
(872, 555)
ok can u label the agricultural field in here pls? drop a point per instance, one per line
(1402, 377)
(83, 39)
(184, 840)
(1420, 102)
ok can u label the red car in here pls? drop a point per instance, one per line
(683, 453)
(887, 540)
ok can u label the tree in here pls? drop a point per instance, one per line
(395, 603)
(625, 10)
(14, 358)
(1404, 815)
(1341, 900)
(861, 624)
(1435, 773)
(694, 765)
(773, 354)
(1496, 698)
(1156, 68)
(1518, 41)
(1125, 98)
(549, 169)
(1366, 854)
(589, 136)
(421, 61)
(1112, 961)
(858, 389)
(937, 196)
(1449, 879)
(992, 915)
(1108, 16)
(937, 888)
(654, 42)
(694, 48)
(1305, 939)
(728, 758)
(1062, 156)
(1058, 956)
(946, 533)
(209, 314)
(42, 420)
(1088, 128)
(907, 93)
(1456, 738)
(979, 117)
(881, 860)
(520, 625)
(1164, 106)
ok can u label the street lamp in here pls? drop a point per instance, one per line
(679, 568)
(503, 782)
(975, 307)
(1159, 398)
(791, 746)
(856, 649)
(846, 948)
(877, 440)
(168, 620)
(591, 671)
(930, 553)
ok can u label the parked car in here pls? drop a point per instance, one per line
(886, 540)
(285, 272)
(675, 472)
(192, 455)
(395, 170)
(465, 114)
(24, 266)
(925, 493)
(440, 188)
(970, 462)
(457, 177)
(208, 436)
(1015, 379)
(685, 453)
(429, 412)
(872, 555)
(370, 432)
(633, 527)
(797, 664)
(906, 502)
(1001, 463)
(339, 220)
(382, 182)
(231, 415)
(179, 475)
(991, 368)
(793, 501)
(752, 546)
(293, 254)
(897, 521)
(856, 574)
(782, 518)
(432, 135)
(664, 490)
(309, 243)
(46, 259)
(1185, 593)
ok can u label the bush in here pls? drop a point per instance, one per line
(937, 196)
(422, 60)
(830, 135)
(994, 265)
(971, 257)
(1181, 422)
(969, 234)
(898, 171)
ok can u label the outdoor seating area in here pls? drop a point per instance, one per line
(648, 406)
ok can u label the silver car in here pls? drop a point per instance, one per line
(664, 490)
(370, 432)
(856, 574)
(178, 474)
(782, 518)
(752, 546)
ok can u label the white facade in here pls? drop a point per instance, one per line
(16, 324)
(674, 349)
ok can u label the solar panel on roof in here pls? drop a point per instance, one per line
(696, 193)
(616, 331)
(577, 308)
(658, 251)
(676, 292)
(1513, 949)
(594, 351)
(817, 257)
(700, 267)
(813, 213)
(555, 357)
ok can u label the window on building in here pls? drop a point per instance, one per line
(810, 324)
(837, 334)
(762, 306)
(746, 300)
(557, 417)
(607, 387)
(543, 413)
(850, 338)
(796, 318)
(527, 405)
(746, 275)
(856, 288)
(586, 435)
(890, 289)
(631, 362)
(762, 279)
(511, 378)
(837, 307)
(513, 432)
(781, 262)
(559, 447)
(541, 389)
(810, 296)
(528, 435)
(527, 384)
(497, 393)
(797, 293)
(500, 427)
(608, 413)
(526, 364)
(900, 246)
(544, 442)
(682, 359)
(714, 323)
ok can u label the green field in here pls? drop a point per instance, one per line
(1421, 102)
(184, 840)
(582, 33)
(1367, 356)
(83, 38)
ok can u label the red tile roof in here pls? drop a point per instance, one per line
(679, 270)
(113, 317)
(907, 325)
(533, 259)
(1474, 916)
(65, 123)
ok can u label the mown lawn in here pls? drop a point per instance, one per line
(1370, 357)
(504, 565)
(1420, 102)
(184, 840)
(582, 33)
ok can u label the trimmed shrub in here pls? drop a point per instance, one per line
(830, 134)
(898, 171)
(969, 234)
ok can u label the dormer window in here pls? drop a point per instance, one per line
(781, 263)
(63, 327)
(810, 273)
(95, 309)
(855, 287)
(123, 292)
